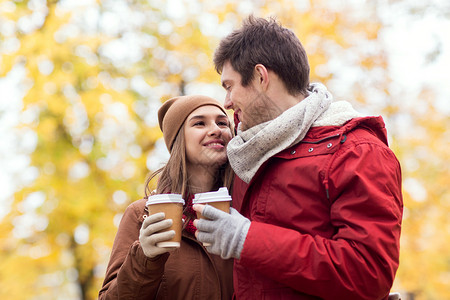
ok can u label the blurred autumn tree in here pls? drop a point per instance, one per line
(96, 72)
(424, 271)
(418, 117)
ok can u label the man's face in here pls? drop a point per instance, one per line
(250, 103)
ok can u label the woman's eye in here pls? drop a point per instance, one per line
(223, 123)
(199, 123)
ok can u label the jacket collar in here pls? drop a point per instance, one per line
(373, 124)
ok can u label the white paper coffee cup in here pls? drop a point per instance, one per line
(172, 206)
(220, 199)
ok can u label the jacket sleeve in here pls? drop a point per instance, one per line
(130, 274)
(360, 259)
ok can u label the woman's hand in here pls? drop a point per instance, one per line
(150, 234)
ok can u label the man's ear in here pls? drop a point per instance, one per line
(262, 76)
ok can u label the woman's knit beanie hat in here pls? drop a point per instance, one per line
(174, 112)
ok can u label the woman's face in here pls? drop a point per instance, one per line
(207, 133)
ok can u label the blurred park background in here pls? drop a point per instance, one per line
(81, 82)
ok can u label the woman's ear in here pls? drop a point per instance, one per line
(262, 76)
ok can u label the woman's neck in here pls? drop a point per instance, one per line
(201, 178)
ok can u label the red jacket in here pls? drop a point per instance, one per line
(326, 217)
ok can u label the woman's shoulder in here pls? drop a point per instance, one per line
(138, 206)
(138, 203)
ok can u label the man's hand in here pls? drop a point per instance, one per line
(225, 232)
(149, 234)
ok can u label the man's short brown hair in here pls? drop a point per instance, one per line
(261, 41)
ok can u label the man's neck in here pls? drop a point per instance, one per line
(278, 93)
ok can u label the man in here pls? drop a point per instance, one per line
(317, 194)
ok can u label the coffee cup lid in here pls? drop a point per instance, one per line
(217, 196)
(165, 198)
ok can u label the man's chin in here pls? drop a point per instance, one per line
(242, 126)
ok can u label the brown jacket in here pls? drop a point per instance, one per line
(189, 272)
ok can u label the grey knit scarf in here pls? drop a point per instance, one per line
(249, 149)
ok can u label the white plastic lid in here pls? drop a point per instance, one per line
(165, 198)
(218, 196)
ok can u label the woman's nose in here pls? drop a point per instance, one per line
(215, 130)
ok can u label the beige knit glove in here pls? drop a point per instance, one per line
(149, 234)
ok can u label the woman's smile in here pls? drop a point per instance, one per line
(215, 144)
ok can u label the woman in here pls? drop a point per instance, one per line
(196, 131)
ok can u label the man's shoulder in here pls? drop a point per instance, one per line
(355, 132)
(366, 130)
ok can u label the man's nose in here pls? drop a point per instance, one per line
(228, 104)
